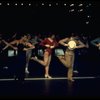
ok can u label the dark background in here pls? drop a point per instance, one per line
(25, 18)
(55, 18)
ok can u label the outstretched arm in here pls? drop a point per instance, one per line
(9, 45)
(81, 44)
(96, 42)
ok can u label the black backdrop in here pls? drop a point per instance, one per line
(49, 18)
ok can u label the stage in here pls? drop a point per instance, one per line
(59, 87)
(54, 78)
(38, 19)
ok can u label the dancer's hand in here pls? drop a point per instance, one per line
(47, 45)
(52, 47)
(66, 45)
(25, 49)
(98, 45)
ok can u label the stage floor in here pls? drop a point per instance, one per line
(50, 88)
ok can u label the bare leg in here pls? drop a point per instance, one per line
(42, 62)
(26, 68)
(47, 68)
(28, 56)
(62, 60)
(45, 62)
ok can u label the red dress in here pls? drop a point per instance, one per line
(46, 41)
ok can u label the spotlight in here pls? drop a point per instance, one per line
(29, 4)
(42, 4)
(5, 67)
(72, 10)
(90, 4)
(16, 4)
(8, 4)
(88, 16)
(80, 5)
(49, 4)
(80, 10)
(87, 22)
(22, 4)
(64, 4)
(71, 5)
(56, 3)
(87, 5)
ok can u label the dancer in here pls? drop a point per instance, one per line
(49, 44)
(22, 46)
(28, 55)
(33, 41)
(96, 42)
(14, 40)
(68, 59)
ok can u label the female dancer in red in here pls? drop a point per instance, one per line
(49, 43)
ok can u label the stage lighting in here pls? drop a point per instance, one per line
(80, 10)
(49, 4)
(8, 4)
(29, 4)
(71, 5)
(22, 4)
(87, 6)
(87, 22)
(16, 4)
(88, 16)
(0, 3)
(5, 67)
(42, 4)
(56, 3)
(90, 4)
(64, 4)
(72, 10)
(80, 5)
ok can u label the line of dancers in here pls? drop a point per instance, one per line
(27, 47)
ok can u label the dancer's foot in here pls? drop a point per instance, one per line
(71, 79)
(26, 71)
(48, 76)
(75, 71)
(15, 77)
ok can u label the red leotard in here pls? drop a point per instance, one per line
(46, 41)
